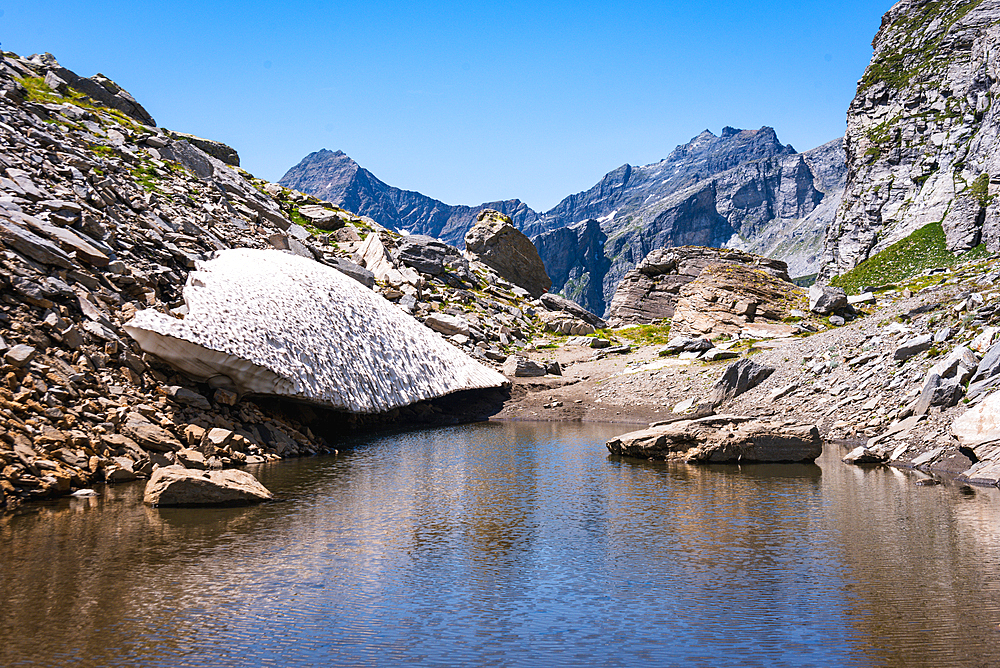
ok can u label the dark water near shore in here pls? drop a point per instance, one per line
(514, 545)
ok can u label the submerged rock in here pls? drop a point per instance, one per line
(272, 323)
(721, 439)
(176, 486)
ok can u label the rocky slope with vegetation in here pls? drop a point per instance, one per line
(922, 134)
(906, 376)
(105, 216)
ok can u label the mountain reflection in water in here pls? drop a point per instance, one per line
(513, 544)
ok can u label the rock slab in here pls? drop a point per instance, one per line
(723, 439)
(176, 486)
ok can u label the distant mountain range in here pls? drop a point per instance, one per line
(743, 189)
(335, 177)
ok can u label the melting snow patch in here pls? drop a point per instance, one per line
(273, 323)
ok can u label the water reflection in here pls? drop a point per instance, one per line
(513, 544)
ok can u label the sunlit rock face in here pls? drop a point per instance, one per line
(273, 323)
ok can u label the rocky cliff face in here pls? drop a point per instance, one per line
(335, 177)
(742, 190)
(922, 133)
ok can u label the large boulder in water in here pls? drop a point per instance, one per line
(272, 323)
(723, 439)
(177, 486)
(498, 244)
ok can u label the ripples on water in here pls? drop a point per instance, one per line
(513, 544)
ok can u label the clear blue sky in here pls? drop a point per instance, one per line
(467, 102)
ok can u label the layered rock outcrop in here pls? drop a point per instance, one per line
(922, 133)
(732, 299)
(254, 319)
(102, 216)
(650, 292)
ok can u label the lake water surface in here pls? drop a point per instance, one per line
(513, 544)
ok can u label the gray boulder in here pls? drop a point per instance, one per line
(176, 486)
(148, 435)
(498, 244)
(447, 324)
(989, 366)
(912, 347)
(938, 391)
(19, 355)
(558, 303)
(191, 157)
(863, 455)
(825, 300)
(352, 269)
(517, 366)
(979, 425)
(684, 344)
(723, 439)
(216, 149)
(431, 256)
(739, 377)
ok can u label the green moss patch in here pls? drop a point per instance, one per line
(646, 335)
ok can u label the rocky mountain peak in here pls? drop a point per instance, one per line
(335, 177)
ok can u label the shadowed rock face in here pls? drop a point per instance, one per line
(273, 323)
(922, 133)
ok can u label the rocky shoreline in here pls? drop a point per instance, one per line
(848, 380)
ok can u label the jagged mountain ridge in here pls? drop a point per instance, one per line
(922, 133)
(335, 177)
(742, 189)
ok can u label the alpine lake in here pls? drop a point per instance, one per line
(513, 544)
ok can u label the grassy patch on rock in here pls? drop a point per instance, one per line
(915, 56)
(924, 249)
